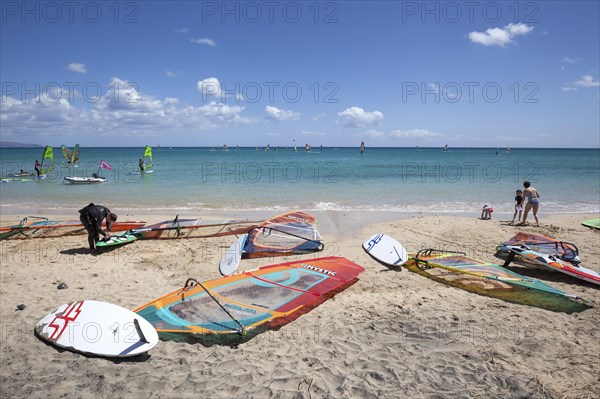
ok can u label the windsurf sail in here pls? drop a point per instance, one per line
(194, 228)
(542, 244)
(71, 156)
(74, 155)
(9, 231)
(147, 158)
(268, 297)
(29, 227)
(289, 233)
(47, 161)
(66, 151)
(489, 279)
(546, 252)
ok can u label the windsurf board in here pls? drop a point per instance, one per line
(385, 250)
(593, 223)
(97, 328)
(146, 172)
(233, 256)
(117, 239)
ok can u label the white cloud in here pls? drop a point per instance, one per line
(121, 110)
(412, 133)
(76, 67)
(500, 36)
(312, 133)
(205, 41)
(371, 133)
(358, 117)
(277, 114)
(567, 60)
(172, 74)
(210, 87)
(587, 81)
(318, 117)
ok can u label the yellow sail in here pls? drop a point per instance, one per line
(148, 157)
(47, 160)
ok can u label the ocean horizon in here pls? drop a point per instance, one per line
(399, 179)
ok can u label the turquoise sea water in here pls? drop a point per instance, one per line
(389, 179)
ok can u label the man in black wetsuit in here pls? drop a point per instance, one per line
(91, 217)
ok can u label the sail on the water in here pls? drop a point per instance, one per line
(47, 160)
(66, 151)
(147, 159)
(71, 156)
(74, 155)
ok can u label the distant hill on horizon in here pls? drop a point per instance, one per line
(14, 144)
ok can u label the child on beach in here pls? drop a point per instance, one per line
(518, 205)
(486, 212)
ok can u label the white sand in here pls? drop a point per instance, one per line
(392, 334)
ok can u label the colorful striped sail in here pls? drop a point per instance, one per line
(288, 233)
(66, 151)
(30, 228)
(548, 253)
(71, 156)
(268, 297)
(194, 228)
(75, 155)
(489, 279)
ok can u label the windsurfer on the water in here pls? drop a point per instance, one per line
(37, 167)
(141, 165)
(91, 217)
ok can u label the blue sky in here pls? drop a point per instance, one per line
(492, 74)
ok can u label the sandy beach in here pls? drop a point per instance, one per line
(392, 334)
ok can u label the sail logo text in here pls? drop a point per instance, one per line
(318, 269)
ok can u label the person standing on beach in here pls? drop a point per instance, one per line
(533, 202)
(91, 217)
(518, 206)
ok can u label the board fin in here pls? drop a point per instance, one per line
(136, 323)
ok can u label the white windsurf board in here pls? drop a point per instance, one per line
(97, 328)
(386, 250)
(233, 256)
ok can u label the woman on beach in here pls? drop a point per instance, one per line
(533, 202)
(91, 217)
